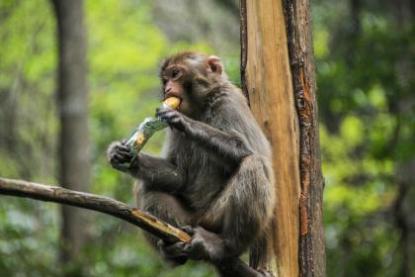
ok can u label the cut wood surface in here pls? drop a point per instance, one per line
(278, 77)
(267, 79)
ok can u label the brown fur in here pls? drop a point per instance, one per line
(216, 175)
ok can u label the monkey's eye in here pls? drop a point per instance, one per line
(175, 73)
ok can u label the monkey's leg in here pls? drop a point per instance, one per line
(246, 205)
(244, 210)
(167, 208)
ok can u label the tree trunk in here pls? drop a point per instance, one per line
(278, 77)
(404, 169)
(74, 159)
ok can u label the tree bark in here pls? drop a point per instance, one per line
(300, 45)
(278, 76)
(74, 157)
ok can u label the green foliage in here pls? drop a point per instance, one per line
(364, 80)
(125, 49)
(27, 63)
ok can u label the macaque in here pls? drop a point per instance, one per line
(215, 181)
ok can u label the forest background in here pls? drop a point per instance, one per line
(365, 60)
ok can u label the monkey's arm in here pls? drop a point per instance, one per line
(159, 173)
(229, 147)
(162, 174)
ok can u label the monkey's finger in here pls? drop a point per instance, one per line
(123, 147)
(115, 160)
(122, 166)
(165, 111)
(122, 157)
(167, 114)
(117, 154)
(174, 258)
(160, 111)
(176, 120)
(188, 248)
(171, 118)
(188, 229)
(194, 246)
(160, 244)
(264, 273)
(124, 150)
(195, 250)
(174, 250)
(112, 157)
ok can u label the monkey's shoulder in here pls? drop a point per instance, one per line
(231, 97)
(232, 115)
(226, 108)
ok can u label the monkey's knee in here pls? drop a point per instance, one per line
(164, 206)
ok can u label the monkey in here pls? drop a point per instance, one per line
(215, 180)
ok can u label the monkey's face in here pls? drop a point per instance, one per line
(190, 77)
(173, 79)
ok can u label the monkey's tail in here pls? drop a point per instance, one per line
(260, 252)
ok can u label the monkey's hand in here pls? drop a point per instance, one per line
(120, 157)
(173, 252)
(204, 245)
(172, 117)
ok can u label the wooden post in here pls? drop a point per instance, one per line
(278, 76)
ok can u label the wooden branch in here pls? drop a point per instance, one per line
(94, 202)
(106, 205)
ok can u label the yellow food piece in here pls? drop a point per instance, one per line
(140, 139)
(172, 102)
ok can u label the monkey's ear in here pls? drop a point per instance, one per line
(215, 64)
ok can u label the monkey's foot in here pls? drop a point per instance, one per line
(173, 252)
(264, 273)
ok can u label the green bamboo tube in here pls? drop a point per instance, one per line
(149, 126)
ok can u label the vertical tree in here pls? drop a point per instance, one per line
(74, 159)
(278, 77)
(402, 97)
